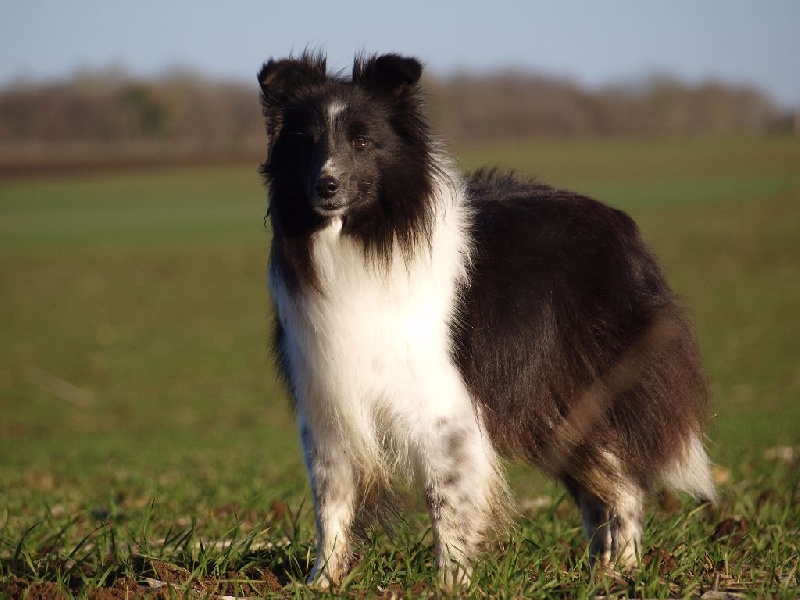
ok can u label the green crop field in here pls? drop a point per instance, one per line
(145, 440)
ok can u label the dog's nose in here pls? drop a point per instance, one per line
(327, 187)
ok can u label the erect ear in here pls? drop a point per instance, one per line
(282, 80)
(387, 74)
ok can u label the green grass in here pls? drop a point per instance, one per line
(143, 433)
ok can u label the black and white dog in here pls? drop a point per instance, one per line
(428, 324)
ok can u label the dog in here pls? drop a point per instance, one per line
(429, 325)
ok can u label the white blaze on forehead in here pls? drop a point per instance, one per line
(334, 108)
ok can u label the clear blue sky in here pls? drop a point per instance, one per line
(592, 42)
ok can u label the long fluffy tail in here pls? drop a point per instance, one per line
(692, 472)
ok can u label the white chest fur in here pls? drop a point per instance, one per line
(369, 355)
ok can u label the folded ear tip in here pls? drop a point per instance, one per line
(405, 67)
(263, 72)
(270, 70)
(283, 74)
(387, 72)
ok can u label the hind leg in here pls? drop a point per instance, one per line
(613, 528)
(626, 527)
(597, 525)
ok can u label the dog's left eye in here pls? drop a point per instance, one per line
(299, 136)
(360, 142)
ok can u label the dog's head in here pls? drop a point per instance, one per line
(356, 148)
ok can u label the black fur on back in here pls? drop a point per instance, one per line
(567, 329)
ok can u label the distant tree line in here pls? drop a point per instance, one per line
(518, 105)
(110, 106)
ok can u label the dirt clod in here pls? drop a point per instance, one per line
(735, 528)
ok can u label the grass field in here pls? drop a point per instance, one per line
(144, 437)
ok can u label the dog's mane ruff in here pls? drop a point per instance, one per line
(405, 251)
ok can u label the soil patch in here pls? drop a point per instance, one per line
(172, 582)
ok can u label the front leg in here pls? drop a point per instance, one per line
(462, 490)
(334, 490)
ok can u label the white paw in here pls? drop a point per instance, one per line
(454, 577)
(320, 578)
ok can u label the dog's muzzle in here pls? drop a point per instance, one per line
(326, 200)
